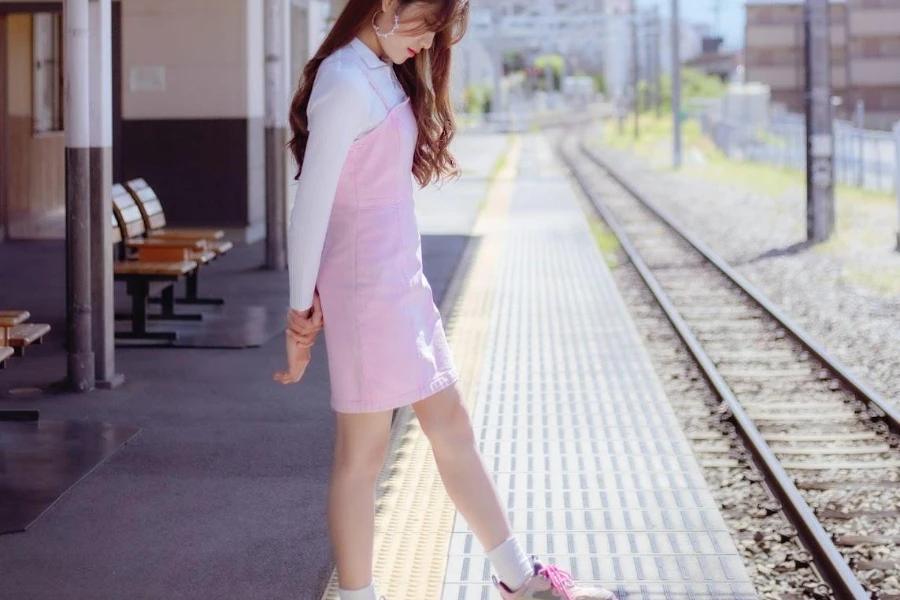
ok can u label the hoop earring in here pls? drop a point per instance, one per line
(389, 33)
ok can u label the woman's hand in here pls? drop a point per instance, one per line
(307, 323)
(298, 358)
(303, 327)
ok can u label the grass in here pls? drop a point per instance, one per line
(883, 280)
(655, 143)
(651, 131)
(606, 241)
(859, 224)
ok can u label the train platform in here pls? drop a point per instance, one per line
(585, 447)
(221, 493)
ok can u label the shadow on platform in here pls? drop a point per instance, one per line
(221, 327)
(228, 475)
(33, 277)
(41, 460)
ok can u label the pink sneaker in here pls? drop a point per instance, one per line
(552, 583)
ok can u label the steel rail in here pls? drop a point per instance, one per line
(828, 560)
(883, 410)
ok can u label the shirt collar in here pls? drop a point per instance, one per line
(370, 58)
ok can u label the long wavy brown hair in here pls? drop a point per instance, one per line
(425, 78)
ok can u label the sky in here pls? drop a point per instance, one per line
(731, 24)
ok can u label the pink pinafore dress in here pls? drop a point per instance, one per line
(383, 333)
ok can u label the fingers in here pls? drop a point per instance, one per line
(288, 377)
(300, 336)
(305, 341)
(306, 333)
(311, 319)
(305, 326)
(285, 378)
(298, 358)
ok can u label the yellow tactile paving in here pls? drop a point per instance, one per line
(414, 515)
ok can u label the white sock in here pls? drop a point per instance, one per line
(367, 593)
(512, 565)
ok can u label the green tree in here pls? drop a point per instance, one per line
(478, 98)
(694, 84)
(513, 60)
(555, 63)
(599, 83)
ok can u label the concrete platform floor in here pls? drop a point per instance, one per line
(221, 494)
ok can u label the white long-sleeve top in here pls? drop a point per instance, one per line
(343, 106)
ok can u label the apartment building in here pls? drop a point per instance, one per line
(774, 53)
(873, 28)
(865, 55)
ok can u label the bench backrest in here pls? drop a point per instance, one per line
(127, 212)
(148, 202)
(116, 230)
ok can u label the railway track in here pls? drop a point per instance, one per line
(824, 444)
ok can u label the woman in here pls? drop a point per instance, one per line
(373, 108)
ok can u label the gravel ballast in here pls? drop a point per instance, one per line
(831, 291)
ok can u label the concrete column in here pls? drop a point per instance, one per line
(896, 130)
(496, 48)
(277, 36)
(676, 84)
(102, 313)
(80, 364)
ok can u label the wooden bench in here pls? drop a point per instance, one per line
(155, 219)
(8, 319)
(144, 274)
(17, 333)
(160, 249)
(5, 353)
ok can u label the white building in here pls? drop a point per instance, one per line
(472, 64)
(617, 35)
(567, 27)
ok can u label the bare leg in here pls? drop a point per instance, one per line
(361, 443)
(447, 424)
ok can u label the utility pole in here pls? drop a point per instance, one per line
(676, 85)
(277, 63)
(657, 70)
(861, 134)
(896, 130)
(497, 59)
(649, 32)
(819, 138)
(635, 76)
(79, 345)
